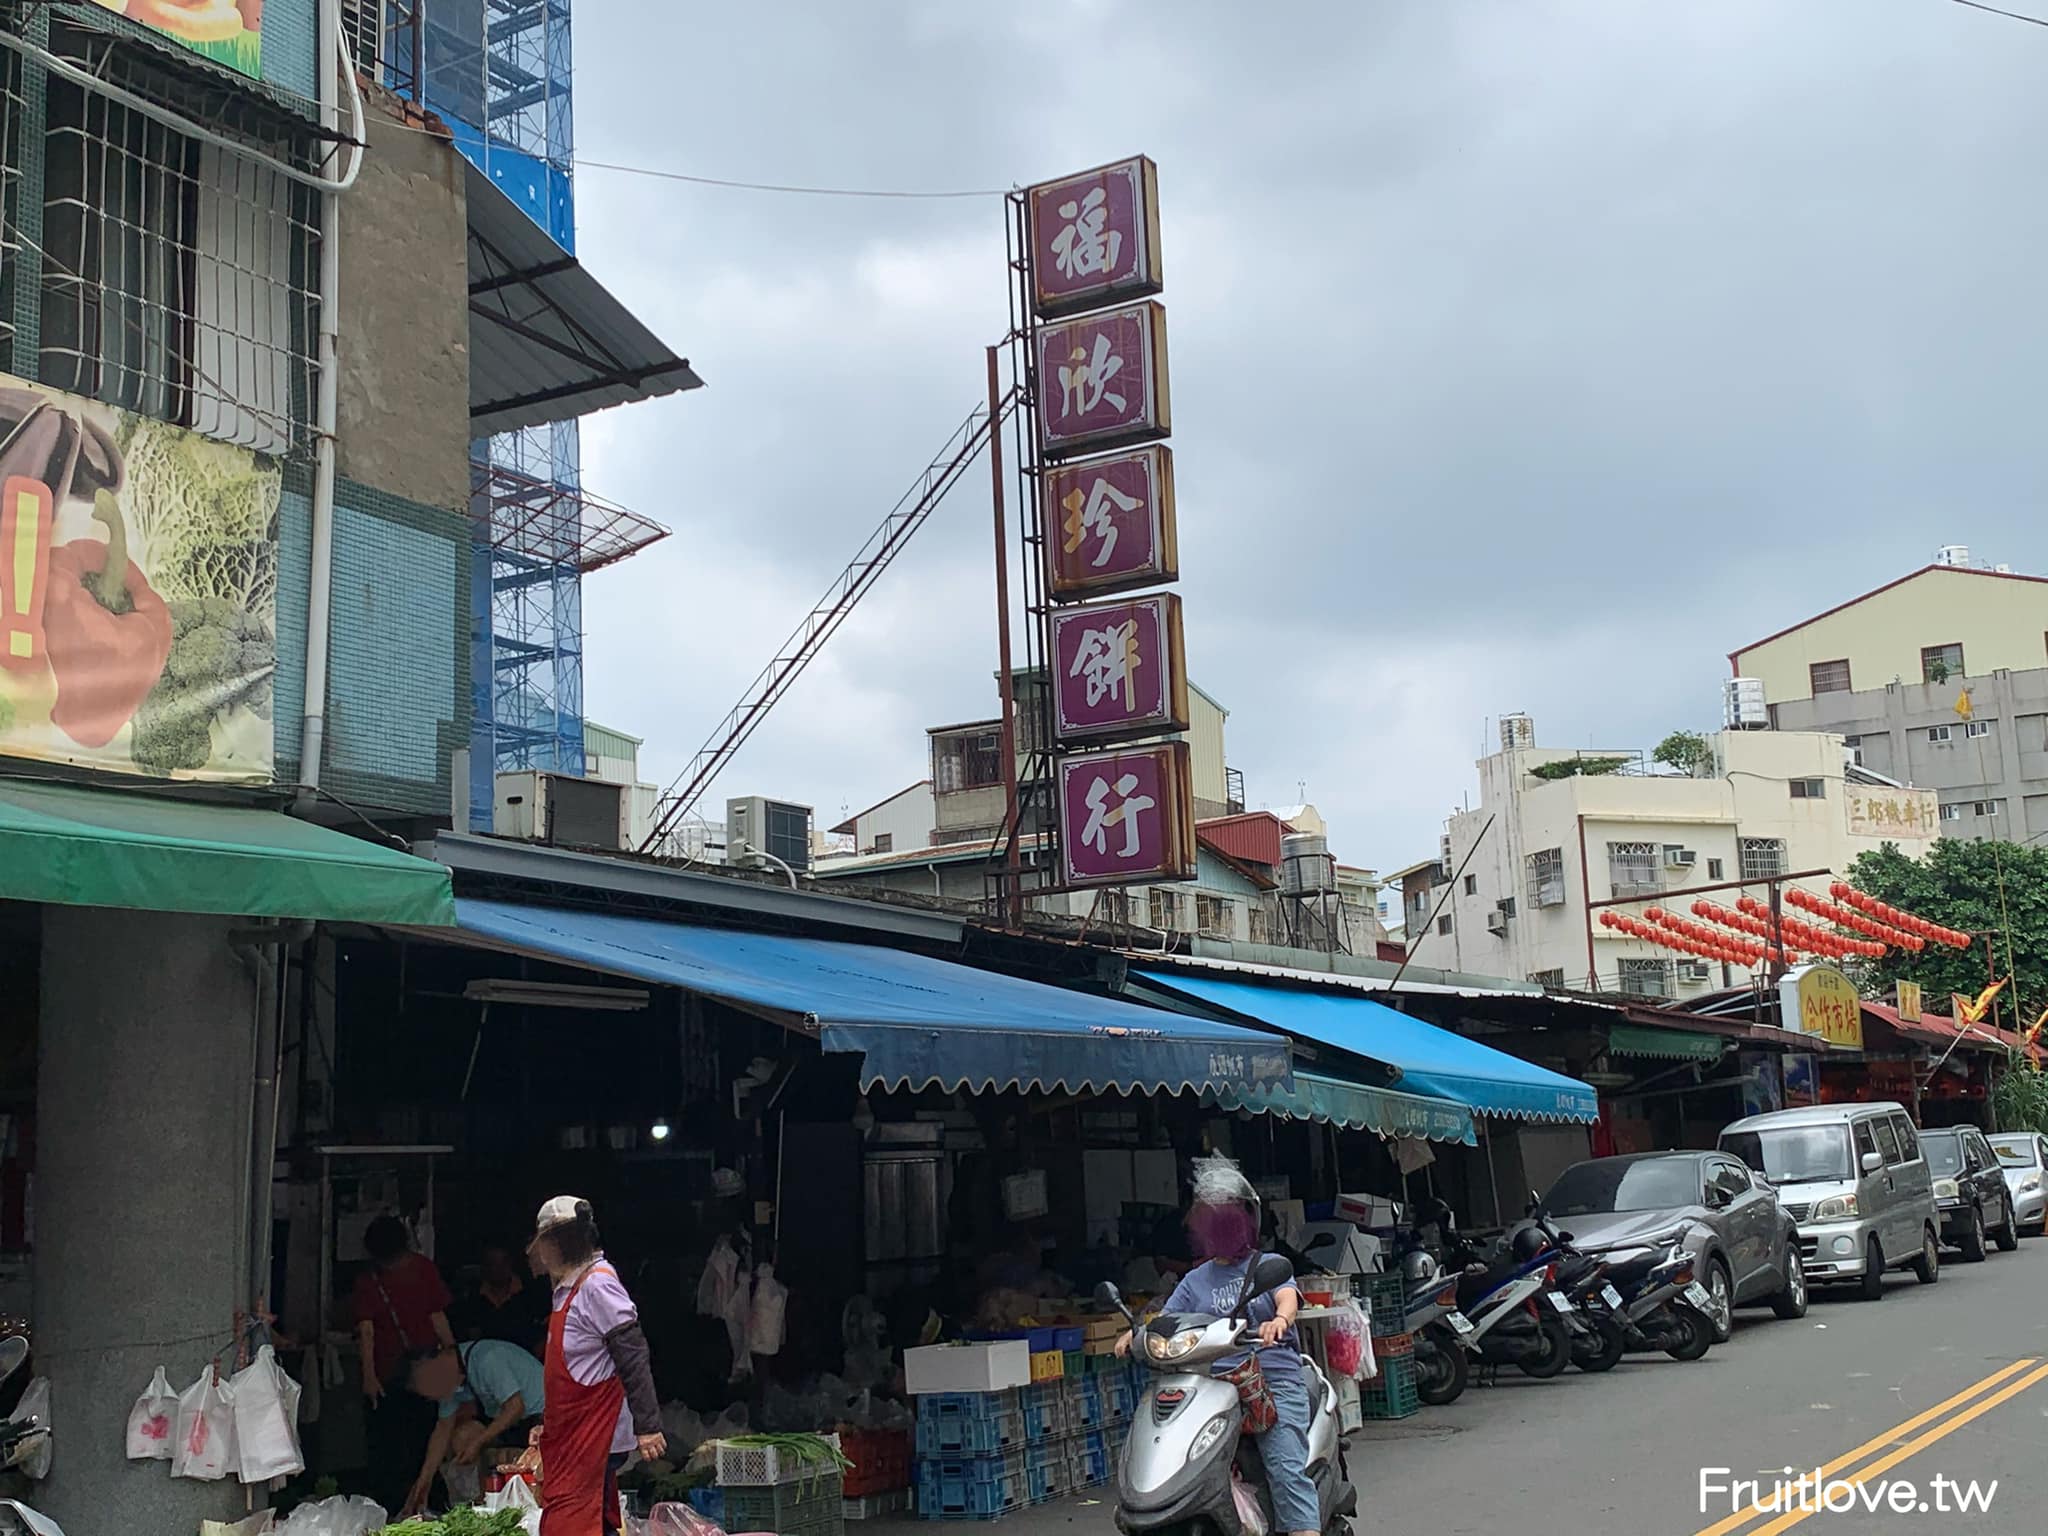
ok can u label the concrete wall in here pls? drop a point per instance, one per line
(2000, 621)
(404, 401)
(143, 1098)
(907, 819)
(1892, 729)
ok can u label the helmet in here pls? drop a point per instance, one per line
(1419, 1267)
(1220, 1188)
(1529, 1242)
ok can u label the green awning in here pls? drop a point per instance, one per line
(1663, 1044)
(1355, 1107)
(117, 848)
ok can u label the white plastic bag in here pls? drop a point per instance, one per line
(335, 1517)
(266, 1420)
(1250, 1515)
(764, 1318)
(517, 1495)
(152, 1419)
(35, 1404)
(203, 1443)
(258, 1524)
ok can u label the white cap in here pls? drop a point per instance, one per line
(559, 1212)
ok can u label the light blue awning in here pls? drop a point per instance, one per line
(1429, 1060)
(918, 1021)
(1356, 1107)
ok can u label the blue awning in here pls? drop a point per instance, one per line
(1356, 1107)
(920, 1022)
(1429, 1060)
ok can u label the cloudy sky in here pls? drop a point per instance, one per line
(1527, 354)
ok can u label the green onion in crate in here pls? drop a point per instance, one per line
(819, 1456)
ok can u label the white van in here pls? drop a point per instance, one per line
(1854, 1178)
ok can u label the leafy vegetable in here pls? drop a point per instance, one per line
(461, 1522)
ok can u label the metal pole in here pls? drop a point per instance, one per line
(419, 52)
(1586, 886)
(1013, 879)
(1492, 1174)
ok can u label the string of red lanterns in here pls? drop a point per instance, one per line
(1845, 917)
(1891, 916)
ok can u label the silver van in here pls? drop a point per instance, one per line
(1854, 1178)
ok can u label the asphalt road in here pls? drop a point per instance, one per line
(1949, 1381)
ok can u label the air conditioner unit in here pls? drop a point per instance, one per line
(768, 834)
(1693, 973)
(1497, 921)
(1680, 858)
(563, 809)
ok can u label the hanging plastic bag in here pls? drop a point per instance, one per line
(764, 1319)
(1251, 1517)
(34, 1462)
(266, 1420)
(739, 1307)
(714, 1286)
(152, 1419)
(1348, 1344)
(203, 1440)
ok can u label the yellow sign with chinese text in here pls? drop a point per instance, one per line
(1909, 1001)
(1820, 1001)
(1881, 810)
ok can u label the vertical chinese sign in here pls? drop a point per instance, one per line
(1105, 512)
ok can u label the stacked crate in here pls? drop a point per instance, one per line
(981, 1455)
(878, 1482)
(1391, 1394)
(765, 1489)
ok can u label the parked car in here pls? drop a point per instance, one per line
(2023, 1155)
(1852, 1176)
(1745, 1249)
(1970, 1192)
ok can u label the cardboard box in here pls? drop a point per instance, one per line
(986, 1367)
(1102, 1328)
(1368, 1210)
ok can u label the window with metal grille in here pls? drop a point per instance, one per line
(1552, 979)
(1261, 925)
(1763, 858)
(1162, 908)
(967, 762)
(362, 23)
(1940, 735)
(1989, 807)
(1216, 917)
(178, 276)
(1940, 663)
(1809, 789)
(1952, 813)
(1828, 676)
(1646, 978)
(1634, 868)
(1544, 878)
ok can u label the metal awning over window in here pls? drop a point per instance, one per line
(546, 341)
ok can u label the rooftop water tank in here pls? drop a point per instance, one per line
(1306, 868)
(1517, 731)
(1742, 705)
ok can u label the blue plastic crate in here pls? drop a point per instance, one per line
(1069, 1340)
(708, 1502)
(1119, 1399)
(970, 1405)
(1051, 1481)
(959, 1434)
(974, 1488)
(1089, 1459)
(1044, 1409)
(1087, 1410)
(1038, 1340)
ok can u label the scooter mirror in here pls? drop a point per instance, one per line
(1322, 1240)
(1107, 1295)
(1268, 1275)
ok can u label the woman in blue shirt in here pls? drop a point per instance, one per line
(1223, 1226)
(486, 1390)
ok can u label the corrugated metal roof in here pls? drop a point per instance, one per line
(546, 341)
(1450, 986)
(1253, 837)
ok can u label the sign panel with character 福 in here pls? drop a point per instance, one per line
(1095, 237)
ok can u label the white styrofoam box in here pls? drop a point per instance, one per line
(1368, 1210)
(984, 1367)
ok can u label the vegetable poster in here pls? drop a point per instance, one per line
(229, 32)
(138, 592)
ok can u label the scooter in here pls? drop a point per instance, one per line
(1662, 1306)
(1431, 1317)
(1517, 1315)
(1175, 1474)
(1598, 1336)
(19, 1441)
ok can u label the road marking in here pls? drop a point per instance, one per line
(1889, 1437)
(1914, 1447)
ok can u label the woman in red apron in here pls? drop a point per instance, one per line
(601, 1403)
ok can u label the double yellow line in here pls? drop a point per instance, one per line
(1978, 1404)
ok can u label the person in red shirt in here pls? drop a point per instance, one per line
(401, 1312)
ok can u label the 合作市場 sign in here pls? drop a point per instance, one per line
(1094, 238)
(1127, 817)
(1109, 523)
(1819, 1000)
(1119, 669)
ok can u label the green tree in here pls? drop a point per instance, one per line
(1578, 767)
(1957, 884)
(1684, 750)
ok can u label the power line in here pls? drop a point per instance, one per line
(769, 186)
(1977, 5)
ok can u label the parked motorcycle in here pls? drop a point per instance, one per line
(1431, 1317)
(1663, 1305)
(1517, 1313)
(1599, 1337)
(1175, 1472)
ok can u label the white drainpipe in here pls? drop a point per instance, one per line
(313, 721)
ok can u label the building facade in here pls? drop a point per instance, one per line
(1939, 680)
(1527, 866)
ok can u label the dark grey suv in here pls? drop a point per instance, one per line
(1970, 1192)
(1745, 1248)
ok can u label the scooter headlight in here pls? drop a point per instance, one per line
(1206, 1437)
(1159, 1347)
